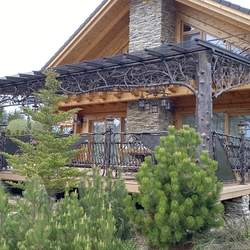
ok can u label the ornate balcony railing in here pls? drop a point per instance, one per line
(128, 150)
(233, 156)
(108, 149)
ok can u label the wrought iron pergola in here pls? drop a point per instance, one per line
(215, 70)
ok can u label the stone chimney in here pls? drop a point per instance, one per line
(152, 23)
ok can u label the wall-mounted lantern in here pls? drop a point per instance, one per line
(3, 128)
(242, 128)
(242, 132)
(79, 120)
(109, 122)
(144, 103)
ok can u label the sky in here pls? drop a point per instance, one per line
(32, 31)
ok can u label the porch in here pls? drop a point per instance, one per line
(114, 150)
(110, 149)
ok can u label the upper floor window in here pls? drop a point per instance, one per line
(189, 33)
(237, 50)
(216, 41)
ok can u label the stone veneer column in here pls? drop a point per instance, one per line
(151, 24)
(145, 120)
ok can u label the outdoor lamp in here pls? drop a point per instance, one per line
(79, 120)
(242, 128)
(164, 100)
(35, 107)
(155, 108)
(169, 105)
(147, 105)
(3, 127)
(109, 122)
(142, 101)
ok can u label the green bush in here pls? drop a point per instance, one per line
(89, 219)
(179, 198)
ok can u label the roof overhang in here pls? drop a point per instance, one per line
(104, 33)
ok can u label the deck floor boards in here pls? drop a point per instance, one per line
(229, 191)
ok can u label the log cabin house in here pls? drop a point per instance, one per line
(192, 55)
(154, 63)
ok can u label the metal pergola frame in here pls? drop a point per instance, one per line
(215, 70)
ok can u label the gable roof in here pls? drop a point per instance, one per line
(114, 16)
(233, 6)
(104, 33)
(74, 34)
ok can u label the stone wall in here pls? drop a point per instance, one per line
(151, 24)
(145, 120)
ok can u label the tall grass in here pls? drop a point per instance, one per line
(235, 234)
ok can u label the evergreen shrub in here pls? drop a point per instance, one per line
(91, 218)
(178, 196)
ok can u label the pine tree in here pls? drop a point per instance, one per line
(72, 223)
(178, 197)
(51, 156)
(26, 226)
(108, 192)
(4, 211)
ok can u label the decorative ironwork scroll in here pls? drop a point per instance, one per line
(238, 154)
(160, 72)
(228, 74)
(170, 64)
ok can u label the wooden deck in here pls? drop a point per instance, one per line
(229, 190)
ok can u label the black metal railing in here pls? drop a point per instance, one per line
(128, 150)
(233, 155)
(109, 149)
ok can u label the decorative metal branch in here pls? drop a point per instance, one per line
(228, 74)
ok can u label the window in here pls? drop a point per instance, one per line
(216, 41)
(188, 120)
(218, 121)
(240, 51)
(190, 33)
(235, 120)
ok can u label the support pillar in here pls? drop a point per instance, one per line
(204, 109)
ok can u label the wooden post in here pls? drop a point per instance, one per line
(204, 109)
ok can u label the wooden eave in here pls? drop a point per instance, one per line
(226, 14)
(105, 34)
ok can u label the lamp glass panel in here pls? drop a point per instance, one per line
(142, 103)
(147, 105)
(154, 108)
(169, 105)
(164, 101)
